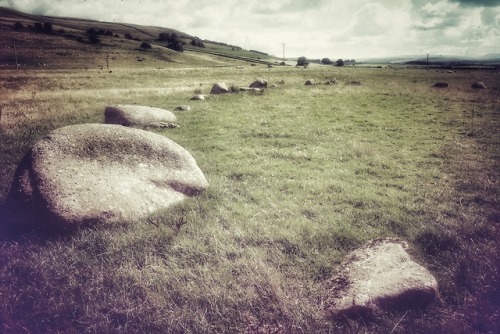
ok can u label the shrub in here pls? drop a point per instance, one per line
(128, 36)
(38, 27)
(302, 61)
(94, 39)
(176, 46)
(326, 61)
(18, 26)
(198, 43)
(339, 62)
(47, 27)
(164, 36)
(145, 46)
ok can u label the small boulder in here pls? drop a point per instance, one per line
(441, 85)
(198, 97)
(261, 83)
(133, 115)
(182, 108)
(101, 173)
(355, 83)
(478, 85)
(332, 81)
(310, 82)
(380, 276)
(219, 88)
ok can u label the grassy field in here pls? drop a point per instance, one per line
(299, 176)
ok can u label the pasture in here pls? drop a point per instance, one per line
(299, 176)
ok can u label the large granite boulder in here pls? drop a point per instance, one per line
(133, 115)
(380, 276)
(99, 173)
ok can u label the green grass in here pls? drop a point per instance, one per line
(299, 176)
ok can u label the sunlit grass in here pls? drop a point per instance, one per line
(298, 177)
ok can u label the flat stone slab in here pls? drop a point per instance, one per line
(133, 115)
(380, 276)
(99, 173)
(478, 85)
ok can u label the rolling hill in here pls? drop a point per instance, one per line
(60, 42)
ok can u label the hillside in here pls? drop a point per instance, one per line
(66, 43)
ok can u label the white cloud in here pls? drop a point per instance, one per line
(316, 29)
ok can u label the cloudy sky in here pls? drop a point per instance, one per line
(311, 28)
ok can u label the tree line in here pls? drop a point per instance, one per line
(302, 61)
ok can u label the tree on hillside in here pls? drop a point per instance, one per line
(197, 42)
(326, 61)
(176, 46)
(145, 46)
(164, 37)
(93, 39)
(18, 26)
(47, 27)
(339, 62)
(38, 27)
(302, 61)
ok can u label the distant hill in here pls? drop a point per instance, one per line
(65, 42)
(11, 16)
(492, 59)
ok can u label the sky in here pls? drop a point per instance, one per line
(347, 29)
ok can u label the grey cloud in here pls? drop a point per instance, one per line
(490, 17)
(478, 3)
(445, 22)
(435, 15)
(288, 6)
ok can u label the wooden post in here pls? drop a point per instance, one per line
(15, 52)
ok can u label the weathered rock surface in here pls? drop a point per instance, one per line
(380, 276)
(261, 83)
(219, 88)
(198, 97)
(95, 173)
(182, 108)
(133, 115)
(310, 82)
(478, 85)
